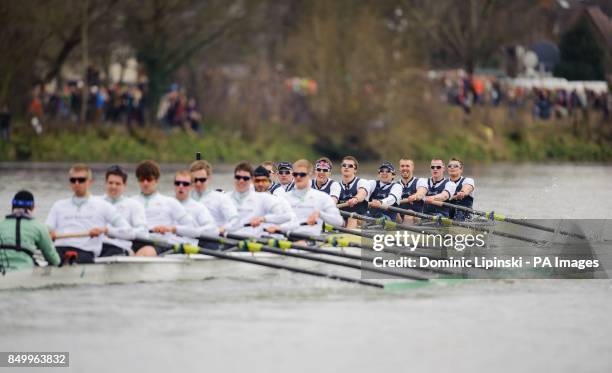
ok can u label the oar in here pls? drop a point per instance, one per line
(268, 246)
(386, 223)
(342, 205)
(498, 217)
(447, 221)
(190, 249)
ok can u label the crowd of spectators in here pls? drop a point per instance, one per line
(544, 103)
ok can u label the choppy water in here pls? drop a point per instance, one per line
(294, 323)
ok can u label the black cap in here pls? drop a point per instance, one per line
(23, 199)
(388, 166)
(284, 166)
(261, 171)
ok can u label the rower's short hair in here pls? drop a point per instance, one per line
(244, 166)
(456, 160)
(182, 173)
(116, 170)
(303, 163)
(270, 163)
(437, 159)
(81, 167)
(406, 159)
(351, 158)
(201, 165)
(148, 169)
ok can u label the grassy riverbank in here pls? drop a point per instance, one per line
(474, 143)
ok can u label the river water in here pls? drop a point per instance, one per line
(290, 322)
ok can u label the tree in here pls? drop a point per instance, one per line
(581, 57)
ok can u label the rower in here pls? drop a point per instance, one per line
(199, 213)
(274, 187)
(218, 203)
(437, 189)
(384, 192)
(284, 175)
(132, 211)
(312, 207)
(409, 185)
(323, 181)
(464, 192)
(21, 235)
(255, 208)
(88, 216)
(166, 217)
(354, 190)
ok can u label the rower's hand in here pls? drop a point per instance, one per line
(256, 221)
(460, 195)
(353, 201)
(411, 198)
(312, 218)
(163, 229)
(376, 204)
(221, 230)
(53, 235)
(95, 232)
(428, 199)
(272, 229)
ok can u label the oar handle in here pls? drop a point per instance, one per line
(342, 205)
(71, 235)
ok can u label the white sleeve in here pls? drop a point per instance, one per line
(278, 210)
(139, 220)
(422, 183)
(334, 190)
(280, 192)
(450, 188)
(185, 224)
(470, 181)
(205, 221)
(329, 212)
(230, 212)
(368, 185)
(395, 195)
(118, 227)
(51, 221)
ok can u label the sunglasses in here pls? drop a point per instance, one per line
(436, 167)
(261, 180)
(322, 170)
(384, 171)
(79, 180)
(453, 166)
(182, 183)
(300, 174)
(348, 165)
(245, 178)
(284, 172)
(200, 180)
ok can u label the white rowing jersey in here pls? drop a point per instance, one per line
(220, 207)
(134, 214)
(306, 201)
(78, 215)
(162, 210)
(253, 204)
(206, 225)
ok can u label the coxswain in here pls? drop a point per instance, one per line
(437, 189)
(323, 180)
(274, 185)
(256, 209)
(85, 215)
(409, 184)
(354, 191)
(21, 236)
(312, 207)
(167, 218)
(464, 192)
(218, 203)
(384, 192)
(115, 182)
(284, 170)
(262, 182)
